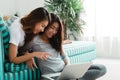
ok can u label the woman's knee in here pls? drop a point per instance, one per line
(100, 70)
(103, 69)
(94, 72)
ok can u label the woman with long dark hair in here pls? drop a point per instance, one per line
(51, 41)
(23, 30)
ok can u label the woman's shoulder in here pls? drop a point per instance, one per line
(36, 39)
(16, 23)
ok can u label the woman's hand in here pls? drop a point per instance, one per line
(41, 55)
(31, 63)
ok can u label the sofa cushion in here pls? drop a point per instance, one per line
(21, 75)
(79, 47)
(5, 36)
(11, 67)
(25, 74)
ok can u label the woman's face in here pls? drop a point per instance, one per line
(40, 26)
(52, 30)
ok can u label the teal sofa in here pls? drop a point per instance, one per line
(78, 52)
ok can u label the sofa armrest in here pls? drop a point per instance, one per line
(1, 58)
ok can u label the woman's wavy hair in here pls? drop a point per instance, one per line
(29, 22)
(56, 40)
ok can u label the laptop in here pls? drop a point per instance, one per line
(71, 71)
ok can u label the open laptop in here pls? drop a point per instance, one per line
(71, 71)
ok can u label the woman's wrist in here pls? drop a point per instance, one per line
(33, 54)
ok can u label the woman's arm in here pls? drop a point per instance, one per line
(19, 59)
(65, 58)
(66, 61)
(13, 55)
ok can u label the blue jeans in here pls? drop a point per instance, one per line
(94, 72)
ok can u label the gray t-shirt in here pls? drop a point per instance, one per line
(54, 63)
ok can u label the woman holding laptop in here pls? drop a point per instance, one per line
(51, 41)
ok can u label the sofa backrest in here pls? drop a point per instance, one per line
(5, 36)
(1, 58)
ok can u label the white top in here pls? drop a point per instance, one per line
(16, 33)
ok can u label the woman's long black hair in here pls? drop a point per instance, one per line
(56, 40)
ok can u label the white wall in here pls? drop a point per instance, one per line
(25, 6)
(89, 17)
(22, 7)
(7, 7)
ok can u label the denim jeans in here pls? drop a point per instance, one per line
(94, 72)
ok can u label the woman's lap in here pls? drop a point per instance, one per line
(94, 72)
